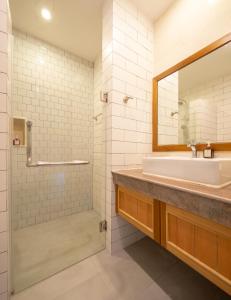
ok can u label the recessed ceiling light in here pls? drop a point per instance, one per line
(211, 2)
(46, 14)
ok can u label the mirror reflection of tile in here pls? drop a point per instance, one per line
(195, 102)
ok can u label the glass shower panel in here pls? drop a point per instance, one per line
(58, 203)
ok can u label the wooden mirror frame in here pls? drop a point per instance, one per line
(183, 147)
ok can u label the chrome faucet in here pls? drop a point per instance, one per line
(192, 145)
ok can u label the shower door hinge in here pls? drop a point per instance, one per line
(103, 226)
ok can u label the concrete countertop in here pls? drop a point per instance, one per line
(208, 202)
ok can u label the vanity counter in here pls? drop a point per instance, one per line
(207, 202)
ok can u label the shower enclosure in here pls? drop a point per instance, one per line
(58, 160)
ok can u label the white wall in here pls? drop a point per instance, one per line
(186, 27)
(5, 37)
(53, 89)
(127, 70)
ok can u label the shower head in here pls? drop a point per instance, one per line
(173, 113)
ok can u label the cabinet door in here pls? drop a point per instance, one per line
(141, 211)
(204, 245)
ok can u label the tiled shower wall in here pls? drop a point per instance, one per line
(53, 89)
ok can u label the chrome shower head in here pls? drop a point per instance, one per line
(173, 113)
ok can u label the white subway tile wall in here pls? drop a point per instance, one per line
(4, 149)
(53, 89)
(209, 107)
(127, 70)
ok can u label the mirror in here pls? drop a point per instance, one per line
(192, 100)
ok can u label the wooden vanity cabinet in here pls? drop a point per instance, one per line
(201, 243)
(140, 210)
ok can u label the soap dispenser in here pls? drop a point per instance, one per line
(16, 141)
(208, 152)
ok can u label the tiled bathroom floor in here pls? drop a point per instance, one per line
(143, 271)
(44, 249)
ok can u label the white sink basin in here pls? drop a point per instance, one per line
(214, 172)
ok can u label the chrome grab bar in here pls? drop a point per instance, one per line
(29, 143)
(57, 163)
(45, 163)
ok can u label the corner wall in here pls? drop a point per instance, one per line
(127, 71)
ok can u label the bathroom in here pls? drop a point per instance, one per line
(115, 152)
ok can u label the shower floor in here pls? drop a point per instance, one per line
(45, 249)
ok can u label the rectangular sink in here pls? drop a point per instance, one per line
(214, 172)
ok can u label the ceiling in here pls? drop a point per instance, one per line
(76, 24)
(153, 8)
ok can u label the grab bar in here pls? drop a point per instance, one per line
(29, 143)
(57, 163)
(45, 163)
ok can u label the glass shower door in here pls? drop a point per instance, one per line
(58, 160)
